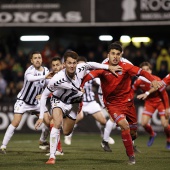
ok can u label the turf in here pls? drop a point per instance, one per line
(85, 153)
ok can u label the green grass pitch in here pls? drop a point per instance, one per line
(85, 153)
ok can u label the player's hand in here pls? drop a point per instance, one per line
(38, 123)
(142, 96)
(115, 69)
(157, 84)
(82, 90)
(38, 97)
(49, 75)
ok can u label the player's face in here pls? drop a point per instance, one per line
(114, 56)
(146, 68)
(36, 60)
(70, 65)
(56, 66)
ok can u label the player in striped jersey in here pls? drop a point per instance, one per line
(34, 82)
(90, 107)
(67, 96)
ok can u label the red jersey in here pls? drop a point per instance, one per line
(166, 80)
(145, 85)
(117, 90)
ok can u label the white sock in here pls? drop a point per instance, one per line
(9, 133)
(54, 138)
(44, 133)
(108, 128)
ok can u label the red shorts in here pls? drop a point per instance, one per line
(150, 108)
(127, 111)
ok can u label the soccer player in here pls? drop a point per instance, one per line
(90, 107)
(156, 100)
(118, 96)
(56, 66)
(67, 96)
(35, 79)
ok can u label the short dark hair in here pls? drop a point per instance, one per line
(71, 54)
(34, 52)
(82, 59)
(56, 59)
(116, 45)
(145, 64)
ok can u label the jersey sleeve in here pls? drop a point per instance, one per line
(135, 85)
(91, 75)
(29, 75)
(43, 101)
(166, 80)
(94, 65)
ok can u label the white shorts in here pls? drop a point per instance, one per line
(91, 107)
(21, 107)
(69, 110)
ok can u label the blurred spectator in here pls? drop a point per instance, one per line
(47, 54)
(139, 58)
(152, 61)
(3, 85)
(17, 72)
(163, 62)
(11, 92)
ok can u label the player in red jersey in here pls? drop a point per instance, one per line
(156, 100)
(118, 95)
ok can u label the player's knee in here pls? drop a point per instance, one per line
(66, 132)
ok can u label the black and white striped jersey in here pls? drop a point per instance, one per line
(66, 89)
(89, 95)
(34, 84)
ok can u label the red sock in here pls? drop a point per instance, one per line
(149, 129)
(167, 132)
(127, 141)
(51, 126)
(59, 148)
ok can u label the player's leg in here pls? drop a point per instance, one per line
(57, 115)
(110, 125)
(43, 143)
(127, 139)
(148, 128)
(68, 138)
(10, 131)
(146, 116)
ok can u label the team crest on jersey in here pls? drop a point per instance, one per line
(115, 115)
(120, 72)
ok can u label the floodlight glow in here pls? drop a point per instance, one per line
(105, 38)
(125, 39)
(141, 39)
(34, 38)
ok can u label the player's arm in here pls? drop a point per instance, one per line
(30, 77)
(143, 96)
(94, 65)
(43, 101)
(91, 75)
(134, 70)
(166, 80)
